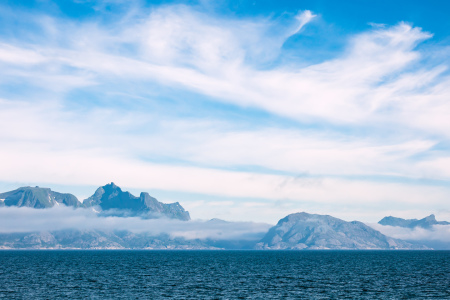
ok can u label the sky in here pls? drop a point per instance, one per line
(239, 110)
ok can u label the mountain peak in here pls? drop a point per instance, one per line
(302, 216)
(113, 201)
(431, 217)
(111, 186)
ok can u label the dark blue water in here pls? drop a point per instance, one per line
(225, 274)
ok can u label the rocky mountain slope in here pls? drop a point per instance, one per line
(37, 197)
(111, 200)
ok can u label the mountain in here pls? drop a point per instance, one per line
(311, 231)
(108, 200)
(426, 222)
(111, 200)
(37, 197)
(97, 239)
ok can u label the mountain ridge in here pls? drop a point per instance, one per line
(107, 200)
(98, 239)
(312, 231)
(114, 202)
(37, 197)
(296, 231)
(426, 222)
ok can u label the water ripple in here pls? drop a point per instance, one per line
(225, 274)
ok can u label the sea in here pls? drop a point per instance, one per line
(109, 274)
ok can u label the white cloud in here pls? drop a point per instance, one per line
(20, 56)
(14, 219)
(436, 233)
(209, 143)
(375, 84)
(36, 164)
(50, 131)
(56, 147)
(304, 18)
(176, 45)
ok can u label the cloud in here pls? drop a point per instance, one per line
(304, 18)
(14, 55)
(51, 146)
(98, 168)
(210, 143)
(14, 219)
(437, 233)
(132, 100)
(180, 47)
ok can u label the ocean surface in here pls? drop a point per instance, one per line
(225, 274)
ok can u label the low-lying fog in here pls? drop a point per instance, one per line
(23, 219)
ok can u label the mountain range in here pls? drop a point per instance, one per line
(108, 200)
(111, 200)
(312, 231)
(296, 231)
(98, 239)
(426, 222)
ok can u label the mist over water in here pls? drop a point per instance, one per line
(24, 219)
(435, 233)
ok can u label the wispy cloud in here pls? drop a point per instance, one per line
(88, 102)
(177, 46)
(304, 18)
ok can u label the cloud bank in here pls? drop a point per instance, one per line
(24, 219)
(437, 233)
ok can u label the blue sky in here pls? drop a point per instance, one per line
(240, 110)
